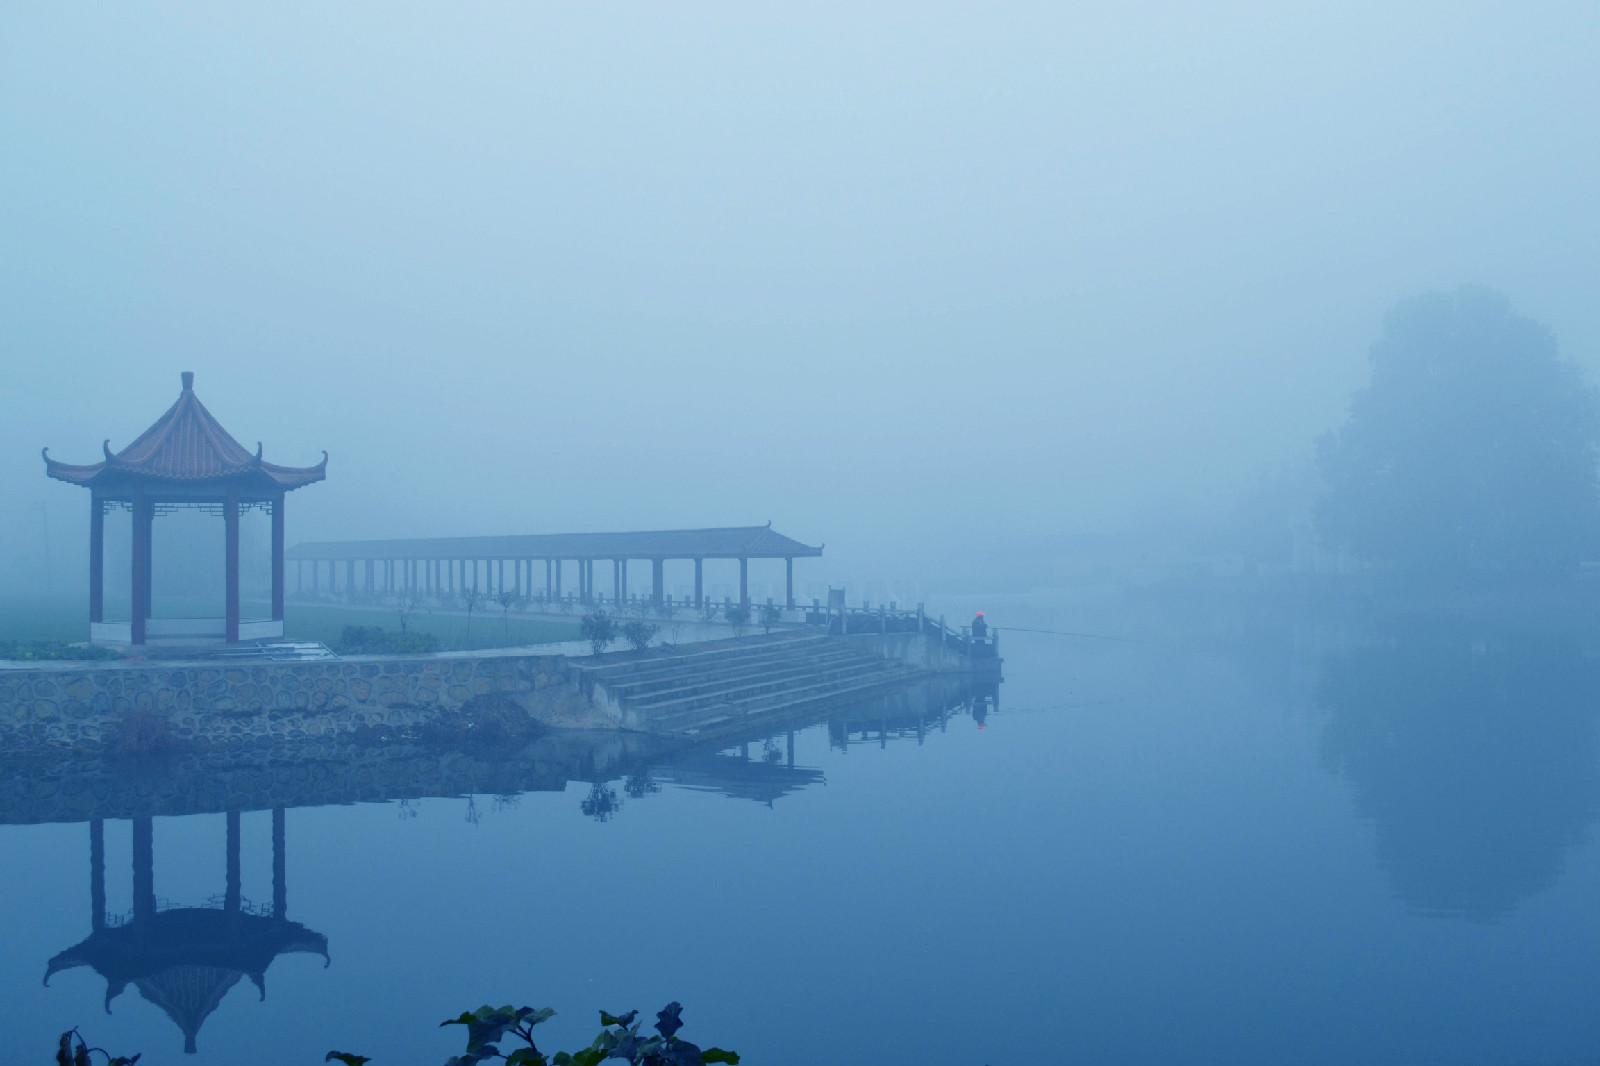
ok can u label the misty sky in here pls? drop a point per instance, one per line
(876, 272)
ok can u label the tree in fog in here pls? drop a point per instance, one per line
(1472, 449)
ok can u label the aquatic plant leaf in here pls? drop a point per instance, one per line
(623, 1020)
(675, 1052)
(346, 1058)
(668, 1021)
(629, 1046)
(526, 1056)
(488, 1024)
(716, 1054)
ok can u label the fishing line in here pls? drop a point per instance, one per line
(1065, 633)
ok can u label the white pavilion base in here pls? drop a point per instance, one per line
(191, 629)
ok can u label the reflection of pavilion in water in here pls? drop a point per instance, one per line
(185, 959)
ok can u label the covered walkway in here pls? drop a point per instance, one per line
(444, 565)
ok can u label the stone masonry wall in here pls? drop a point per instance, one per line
(87, 707)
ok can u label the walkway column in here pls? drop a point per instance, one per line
(622, 597)
(230, 524)
(97, 874)
(144, 869)
(558, 578)
(280, 888)
(788, 580)
(277, 558)
(97, 558)
(616, 581)
(699, 585)
(658, 580)
(141, 563)
(744, 581)
(231, 901)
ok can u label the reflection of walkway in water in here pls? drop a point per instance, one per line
(910, 719)
(185, 959)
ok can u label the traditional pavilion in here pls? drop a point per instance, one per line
(185, 460)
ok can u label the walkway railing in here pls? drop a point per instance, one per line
(890, 618)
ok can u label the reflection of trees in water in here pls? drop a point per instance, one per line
(602, 802)
(1474, 760)
(641, 784)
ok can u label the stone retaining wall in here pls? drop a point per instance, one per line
(91, 707)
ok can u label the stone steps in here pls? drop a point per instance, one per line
(794, 703)
(610, 671)
(739, 690)
(687, 681)
(692, 690)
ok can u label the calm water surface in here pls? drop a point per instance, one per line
(1297, 845)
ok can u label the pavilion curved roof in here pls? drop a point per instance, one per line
(187, 444)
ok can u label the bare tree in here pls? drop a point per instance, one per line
(407, 605)
(470, 598)
(507, 599)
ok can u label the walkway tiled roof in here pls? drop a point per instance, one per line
(752, 542)
(186, 444)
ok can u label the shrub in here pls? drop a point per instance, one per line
(771, 615)
(375, 640)
(38, 650)
(599, 629)
(738, 617)
(639, 633)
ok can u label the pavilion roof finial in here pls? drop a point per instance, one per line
(188, 380)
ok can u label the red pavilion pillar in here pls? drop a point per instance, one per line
(142, 523)
(97, 558)
(230, 525)
(744, 581)
(788, 580)
(277, 558)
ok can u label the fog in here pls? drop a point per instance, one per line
(920, 282)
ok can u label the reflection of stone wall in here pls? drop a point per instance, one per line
(83, 707)
(72, 788)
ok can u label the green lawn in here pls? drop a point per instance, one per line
(44, 619)
(68, 620)
(324, 623)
